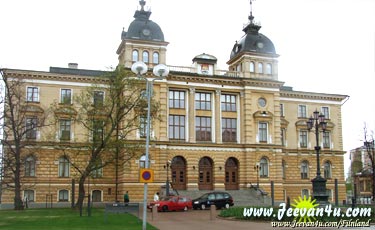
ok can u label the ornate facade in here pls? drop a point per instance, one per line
(220, 129)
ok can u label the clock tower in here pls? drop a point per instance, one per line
(144, 41)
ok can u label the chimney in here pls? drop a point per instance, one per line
(73, 65)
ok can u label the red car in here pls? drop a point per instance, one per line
(172, 203)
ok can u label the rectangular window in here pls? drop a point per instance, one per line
(203, 128)
(176, 127)
(142, 126)
(262, 134)
(29, 195)
(64, 167)
(31, 125)
(32, 94)
(303, 139)
(326, 139)
(63, 195)
(282, 110)
(228, 102)
(98, 98)
(65, 127)
(229, 129)
(203, 101)
(283, 137)
(302, 111)
(176, 99)
(98, 131)
(66, 96)
(325, 112)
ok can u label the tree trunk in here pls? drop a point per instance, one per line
(81, 191)
(18, 204)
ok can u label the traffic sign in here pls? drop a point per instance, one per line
(146, 175)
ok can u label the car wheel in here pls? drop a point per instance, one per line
(185, 208)
(203, 207)
(227, 206)
(165, 208)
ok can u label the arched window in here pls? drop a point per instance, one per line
(327, 170)
(260, 67)
(263, 171)
(252, 67)
(135, 55)
(145, 56)
(268, 68)
(304, 169)
(142, 161)
(63, 195)
(155, 58)
(305, 193)
(30, 166)
(64, 167)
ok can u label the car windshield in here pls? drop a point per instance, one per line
(166, 199)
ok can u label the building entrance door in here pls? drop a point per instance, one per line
(178, 169)
(205, 180)
(231, 174)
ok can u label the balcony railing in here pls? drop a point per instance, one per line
(224, 73)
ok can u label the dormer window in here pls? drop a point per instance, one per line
(135, 55)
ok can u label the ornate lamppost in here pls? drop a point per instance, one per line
(167, 180)
(371, 154)
(257, 168)
(317, 122)
(161, 71)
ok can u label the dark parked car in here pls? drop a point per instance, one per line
(220, 199)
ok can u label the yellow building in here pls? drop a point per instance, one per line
(220, 129)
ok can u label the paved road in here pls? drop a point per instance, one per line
(201, 220)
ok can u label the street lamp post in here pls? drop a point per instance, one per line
(257, 168)
(317, 121)
(371, 154)
(161, 71)
(167, 180)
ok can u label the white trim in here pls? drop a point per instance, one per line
(67, 83)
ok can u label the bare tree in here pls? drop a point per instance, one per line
(22, 119)
(107, 114)
(370, 149)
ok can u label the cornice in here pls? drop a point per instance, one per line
(38, 75)
(312, 95)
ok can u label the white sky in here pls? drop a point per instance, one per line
(324, 45)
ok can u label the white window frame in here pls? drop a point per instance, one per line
(300, 113)
(38, 94)
(71, 96)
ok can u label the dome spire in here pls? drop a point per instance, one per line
(251, 17)
(251, 27)
(142, 3)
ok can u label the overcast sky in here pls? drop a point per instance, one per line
(324, 45)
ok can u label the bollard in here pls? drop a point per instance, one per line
(212, 212)
(154, 212)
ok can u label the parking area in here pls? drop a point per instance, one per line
(198, 219)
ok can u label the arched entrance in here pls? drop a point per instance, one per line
(178, 171)
(231, 174)
(205, 180)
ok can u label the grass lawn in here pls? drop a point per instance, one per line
(63, 219)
